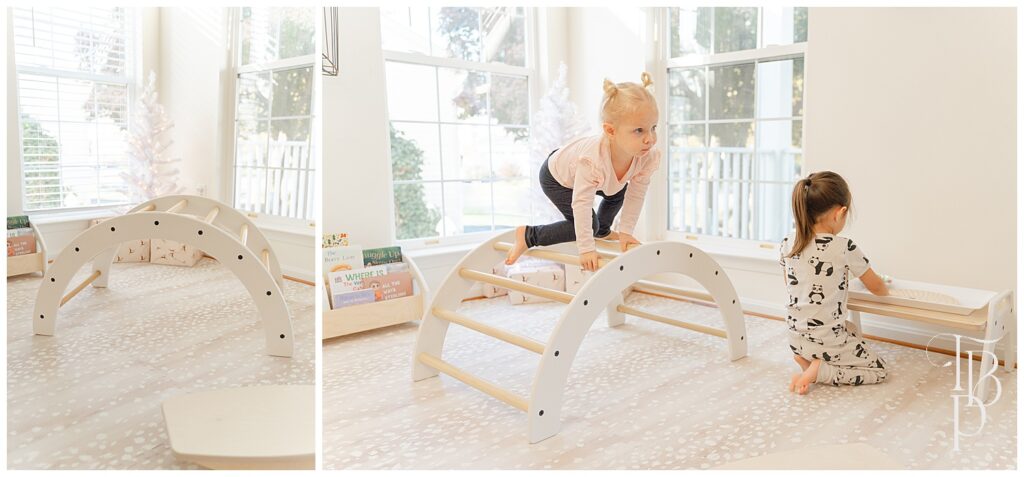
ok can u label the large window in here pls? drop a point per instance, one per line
(74, 73)
(735, 99)
(458, 99)
(274, 172)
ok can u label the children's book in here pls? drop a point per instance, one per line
(17, 221)
(21, 245)
(392, 285)
(340, 258)
(335, 240)
(20, 231)
(348, 280)
(380, 256)
(355, 297)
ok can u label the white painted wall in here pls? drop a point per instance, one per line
(194, 83)
(13, 139)
(357, 187)
(916, 108)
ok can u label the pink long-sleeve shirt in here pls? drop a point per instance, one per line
(585, 166)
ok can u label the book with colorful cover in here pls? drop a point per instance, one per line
(340, 258)
(393, 285)
(21, 245)
(380, 256)
(19, 232)
(348, 280)
(354, 297)
(335, 240)
(17, 221)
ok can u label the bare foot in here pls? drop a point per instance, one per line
(519, 247)
(807, 377)
(802, 362)
(613, 236)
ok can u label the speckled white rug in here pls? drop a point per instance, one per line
(89, 397)
(640, 396)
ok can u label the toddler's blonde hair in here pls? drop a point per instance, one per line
(625, 98)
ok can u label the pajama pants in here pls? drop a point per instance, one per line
(845, 358)
(565, 230)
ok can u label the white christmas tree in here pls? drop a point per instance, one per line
(150, 174)
(555, 123)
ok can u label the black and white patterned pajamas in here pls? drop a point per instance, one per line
(817, 280)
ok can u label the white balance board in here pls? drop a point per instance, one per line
(927, 296)
(258, 427)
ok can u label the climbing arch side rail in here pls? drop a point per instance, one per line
(245, 253)
(618, 273)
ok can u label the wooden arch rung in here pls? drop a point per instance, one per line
(148, 208)
(176, 207)
(81, 286)
(646, 285)
(479, 383)
(554, 256)
(668, 321)
(503, 282)
(243, 234)
(212, 215)
(265, 258)
(511, 338)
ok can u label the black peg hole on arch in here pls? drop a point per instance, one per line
(112, 229)
(691, 254)
(200, 232)
(741, 338)
(282, 335)
(239, 257)
(268, 293)
(41, 317)
(622, 267)
(53, 279)
(156, 222)
(541, 412)
(716, 272)
(734, 302)
(659, 252)
(76, 249)
(556, 352)
(585, 302)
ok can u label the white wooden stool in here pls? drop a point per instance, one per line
(258, 427)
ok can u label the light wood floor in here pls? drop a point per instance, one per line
(89, 397)
(641, 396)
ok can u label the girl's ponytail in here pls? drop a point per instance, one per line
(814, 196)
(645, 79)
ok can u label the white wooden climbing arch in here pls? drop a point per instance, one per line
(618, 274)
(211, 226)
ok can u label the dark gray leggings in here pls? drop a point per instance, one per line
(565, 231)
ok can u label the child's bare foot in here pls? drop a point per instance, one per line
(807, 377)
(802, 362)
(613, 235)
(519, 247)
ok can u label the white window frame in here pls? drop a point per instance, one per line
(132, 76)
(662, 63)
(529, 71)
(305, 226)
